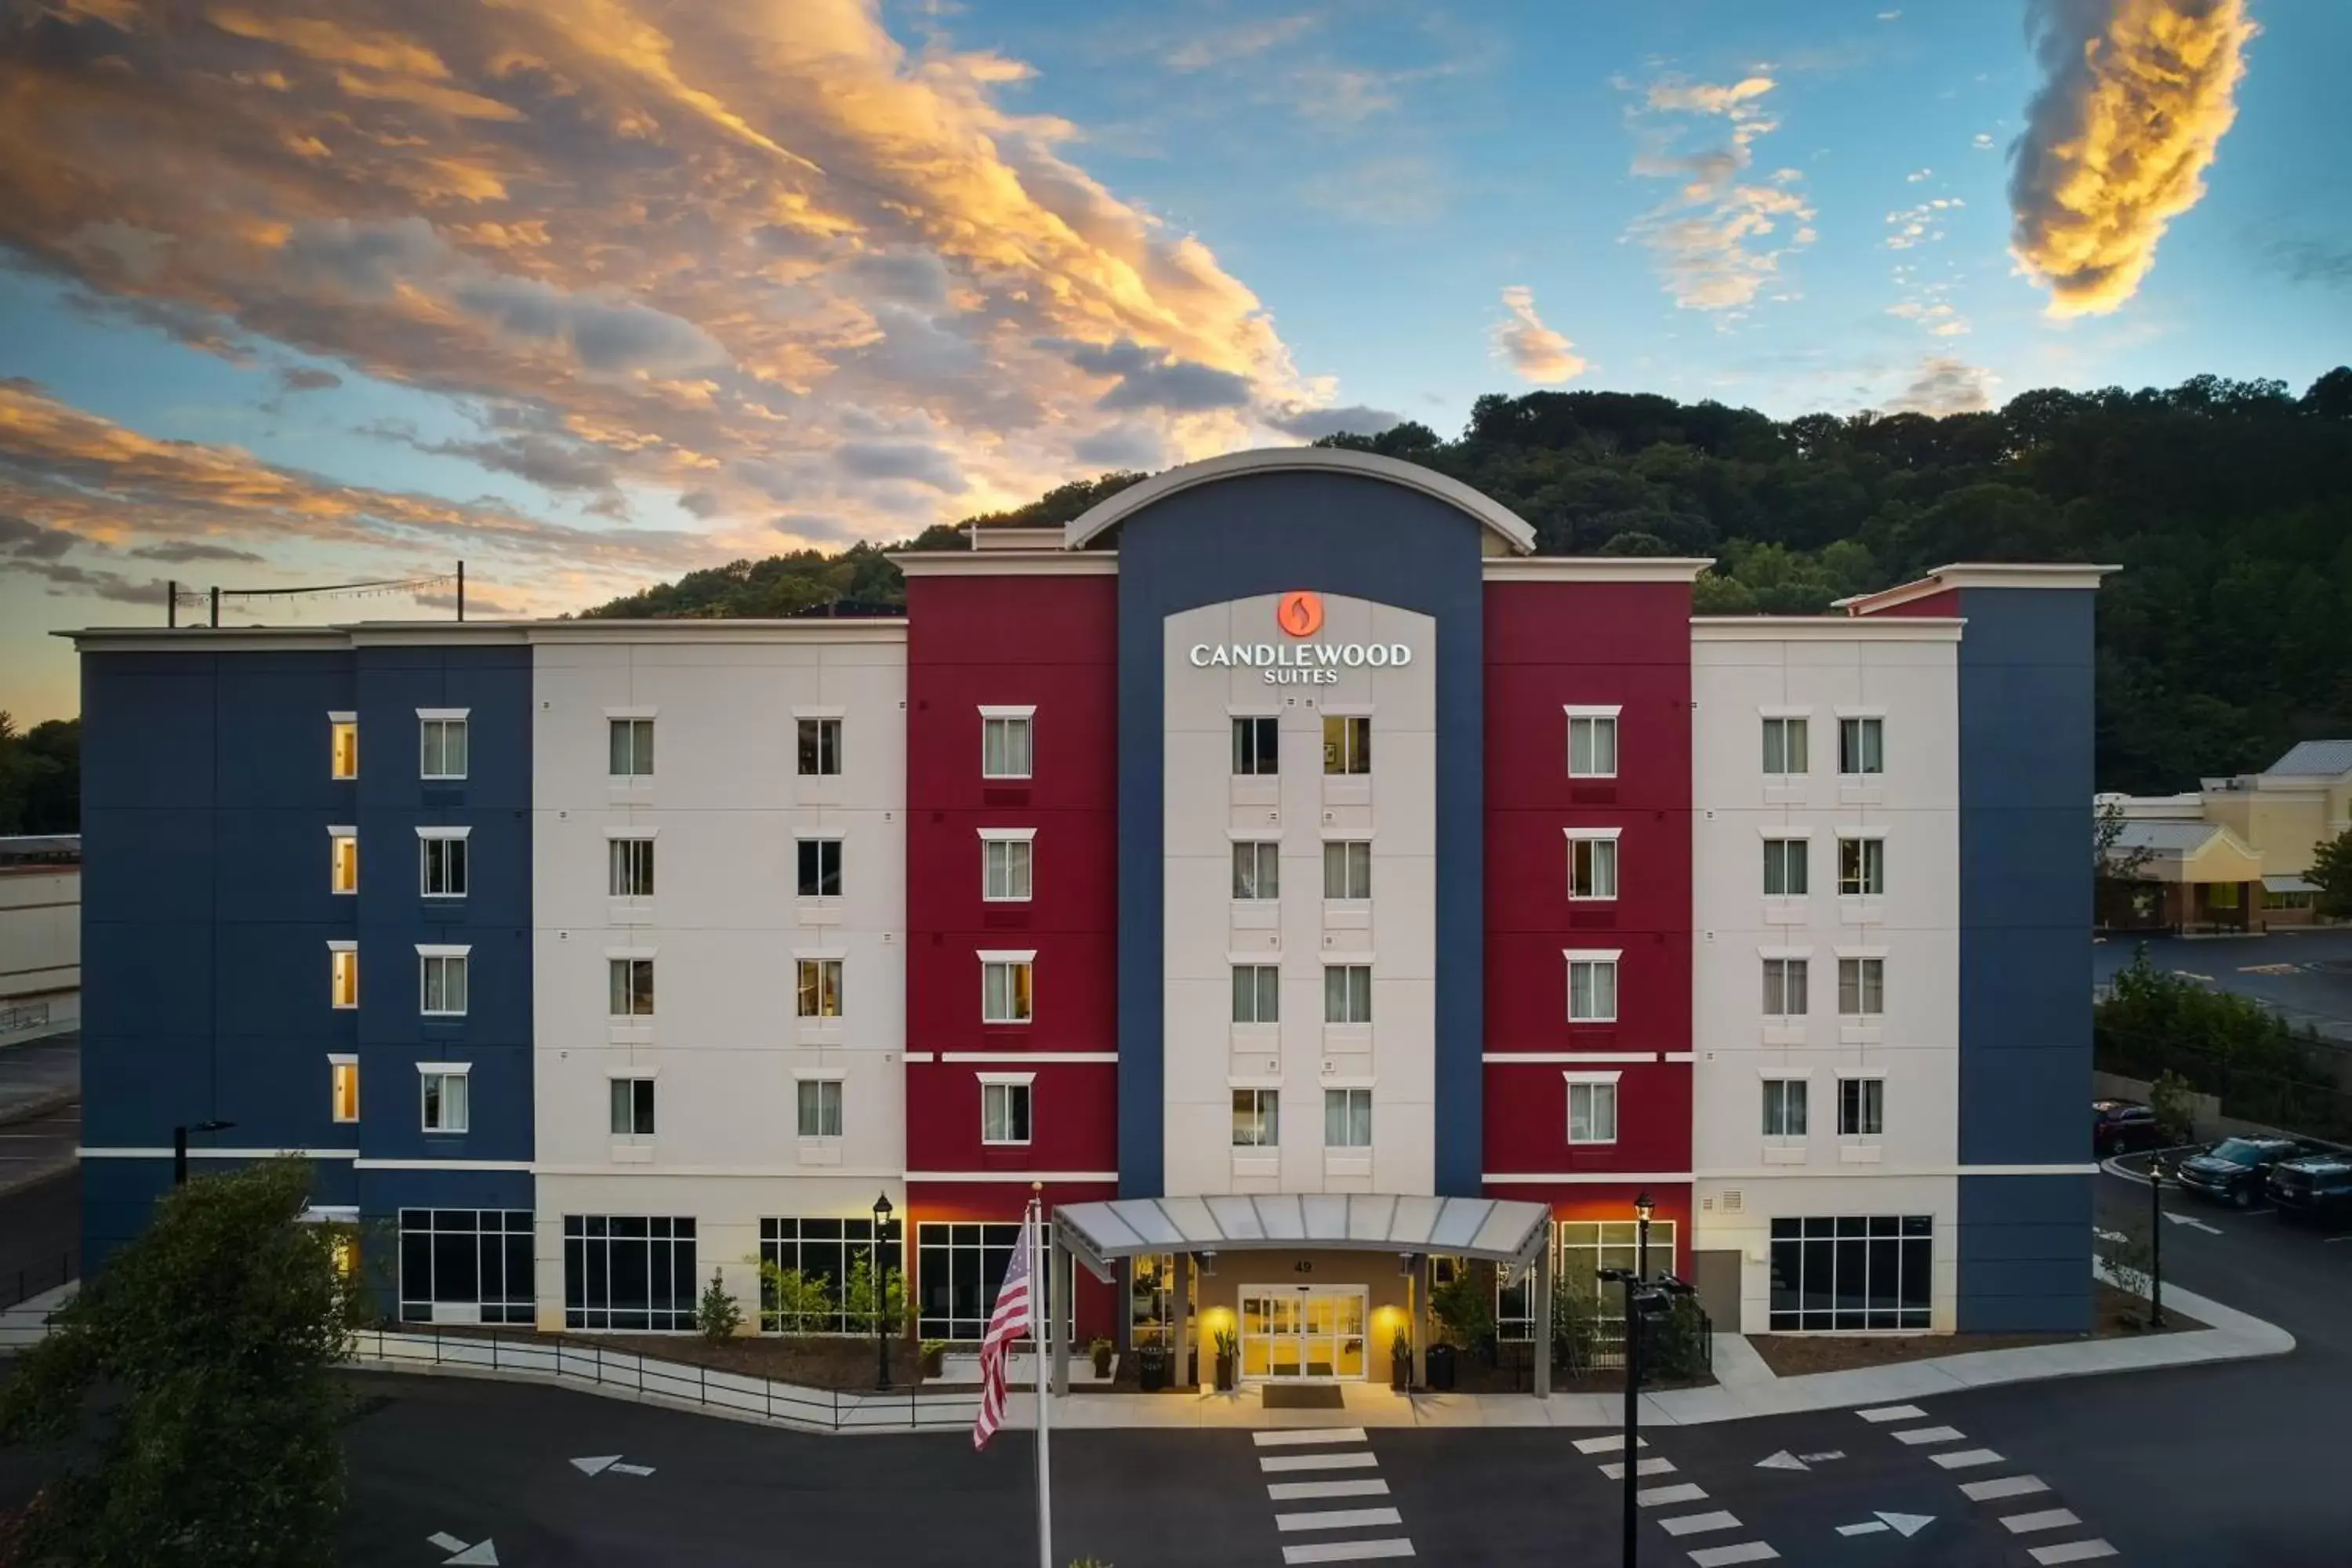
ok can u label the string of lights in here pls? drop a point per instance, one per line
(178, 594)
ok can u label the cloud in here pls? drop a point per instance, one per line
(1151, 378)
(21, 539)
(1888, 15)
(2310, 261)
(2136, 96)
(301, 378)
(1946, 385)
(1315, 424)
(1224, 45)
(1408, 189)
(1720, 240)
(924, 464)
(1916, 175)
(542, 459)
(1982, 141)
(188, 551)
(1536, 351)
(96, 583)
(1914, 225)
(1123, 446)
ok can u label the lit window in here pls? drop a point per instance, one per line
(1784, 1107)
(819, 1107)
(1592, 867)
(1862, 987)
(342, 861)
(1257, 1118)
(1347, 1119)
(1592, 746)
(344, 975)
(447, 1106)
(1784, 987)
(631, 748)
(1258, 870)
(820, 748)
(441, 981)
(1591, 1111)
(1785, 863)
(631, 983)
(1861, 1107)
(1592, 988)
(633, 1108)
(1784, 746)
(1005, 746)
(1005, 870)
(1257, 746)
(1004, 1111)
(1347, 994)
(1004, 989)
(1258, 993)
(820, 867)
(343, 1087)
(441, 746)
(819, 987)
(1862, 746)
(1347, 745)
(1861, 868)
(1348, 870)
(441, 862)
(342, 746)
(629, 863)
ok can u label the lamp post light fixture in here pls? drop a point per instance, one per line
(881, 1295)
(180, 1147)
(1643, 1207)
(2156, 1241)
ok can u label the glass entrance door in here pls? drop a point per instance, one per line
(1302, 1333)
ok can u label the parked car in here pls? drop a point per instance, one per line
(2123, 1126)
(2313, 1186)
(2235, 1169)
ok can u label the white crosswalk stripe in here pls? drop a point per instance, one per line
(2007, 1486)
(1701, 1523)
(1919, 1434)
(1616, 1472)
(2044, 1519)
(1658, 1497)
(1892, 1412)
(1337, 1519)
(2072, 1552)
(1673, 1493)
(1967, 1458)
(1303, 1491)
(1612, 1444)
(1346, 1550)
(1330, 1453)
(1724, 1556)
(1318, 1462)
(1304, 1436)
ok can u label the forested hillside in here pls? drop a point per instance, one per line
(2228, 636)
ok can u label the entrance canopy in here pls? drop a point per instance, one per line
(1492, 1229)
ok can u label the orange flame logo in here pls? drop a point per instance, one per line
(1300, 612)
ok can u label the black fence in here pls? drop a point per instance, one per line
(37, 1279)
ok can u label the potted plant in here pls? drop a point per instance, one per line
(1102, 1351)
(1227, 1348)
(1401, 1361)
(934, 1357)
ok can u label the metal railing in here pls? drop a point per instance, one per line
(34, 1279)
(23, 1015)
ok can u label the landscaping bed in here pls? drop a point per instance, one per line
(1514, 1373)
(2117, 1314)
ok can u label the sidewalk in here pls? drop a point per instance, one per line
(39, 1074)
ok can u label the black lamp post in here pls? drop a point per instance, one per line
(881, 1296)
(2156, 1241)
(180, 1147)
(1643, 1207)
(1644, 1299)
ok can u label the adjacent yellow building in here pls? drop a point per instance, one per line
(2232, 853)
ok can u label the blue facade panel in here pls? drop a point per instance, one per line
(1340, 535)
(2024, 1254)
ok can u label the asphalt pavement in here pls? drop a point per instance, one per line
(2306, 973)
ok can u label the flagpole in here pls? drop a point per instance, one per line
(1042, 1293)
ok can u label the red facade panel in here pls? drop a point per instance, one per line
(1072, 1109)
(1526, 1118)
(1945, 603)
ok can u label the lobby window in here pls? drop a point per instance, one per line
(1784, 747)
(1347, 1119)
(1862, 746)
(820, 867)
(1784, 987)
(1004, 865)
(1592, 864)
(817, 987)
(1258, 870)
(1785, 864)
(629, 865)
(959, 1268)
(633, 1108)
(1257, 1118)
(1004, 745)
(1861, 1107)
(1593, 746)
(1005, 1111)
(466, 1265)
(342, 861)
(818, 1108)
(1593, 987)
(1862, 987)
(1784, 1107)
(343, 745)
(1004, 989)
(1347, 994)
(631, 748)
(1258, 993)
(629, 1271)
(343, 975)
(1257, 746)
(820, 748)
(1593, 1109)
(1348, 870)
(1833, 1272)
(441, 862)
(343, 1087)
(441, 981)
(1347, 743)
(631, 983)
(441, 745)
(447, 1100)
(1861, 868)
(821, 1251)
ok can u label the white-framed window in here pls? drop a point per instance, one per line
(1861, 1107)
(1785, 864)
(1004, 1107)
(631, 985)
(1258, 870)
(441, 862)
(1592, 743)
(633, 1108)
(816, 987)
(1784, 987)
(343, 1087)
(1784, 747)
(630, 748)
(1257, 1118)
(1348, 1118)
(820, 867)
(819, 749)
(1005, 987)
(343, 975)
(1784, 1107)
(1592, 987)
(441, 981)
(1862, 987)
(629, 865)
(342, 859)
(1862, 746)
(1258, 993)
(1346, 993)
(1348, 868)
(441, 742)
(1592, 1108)
(1347, 743)
(818, 1107)
(1006, 858)
(1592, 863)
(445, 1095)
(1861, 868)
(1258, 746)
(1005, 749)
(343, 745)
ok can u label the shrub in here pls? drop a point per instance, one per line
(718, 1316)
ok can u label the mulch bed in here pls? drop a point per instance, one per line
(1514, 1373)
(2118, 1315)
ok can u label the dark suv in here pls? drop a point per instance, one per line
(2122, 1127)
(2233, 1170)
(2313, 1186)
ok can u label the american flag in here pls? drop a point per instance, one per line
(1008, 1322)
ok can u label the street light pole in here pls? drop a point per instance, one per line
(180, 1147)
(2156, 1241)
(1643, 1207)
(881, 1296)
(1633, 1408)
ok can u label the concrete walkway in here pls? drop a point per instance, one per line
(38, 1075)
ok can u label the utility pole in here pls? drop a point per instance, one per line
(461, 590)
(215, 606)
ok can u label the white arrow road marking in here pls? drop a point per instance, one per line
(1821, 1458)
(1906, 1525)
(621, 1469)
(1867, 1527)
(1783, 1460)
(483, 1554)
(595, 1464)
(446, 1542)
(2193, 1222)
(2110, 1235)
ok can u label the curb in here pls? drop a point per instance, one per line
(41, 1105)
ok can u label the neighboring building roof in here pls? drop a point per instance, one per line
(40, 846)
(2289, 885)
(1978, 574)
(2328, 759)
(2164, 836)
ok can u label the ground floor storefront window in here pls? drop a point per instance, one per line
(1580, 1249)
(628, 1271)
(465, 1265)
(958, 1268)
(822, 1252)
(1853, 1272)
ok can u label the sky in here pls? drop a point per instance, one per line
(590, 293)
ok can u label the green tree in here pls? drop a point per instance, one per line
(2331, 873)
(717, 1315)
(201, 1364)
(857, 1296)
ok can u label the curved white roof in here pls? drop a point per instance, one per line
(1490, 513)
(1504, 1230)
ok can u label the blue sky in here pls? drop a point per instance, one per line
(593, 296)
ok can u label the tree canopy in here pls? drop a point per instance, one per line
(40, 776)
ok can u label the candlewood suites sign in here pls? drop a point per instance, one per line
(1298, 662)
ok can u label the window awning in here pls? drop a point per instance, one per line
(2288, 885)
(1494, 1229)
